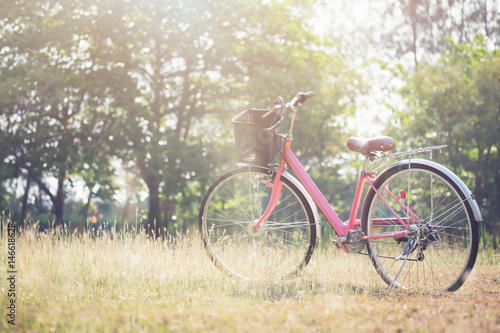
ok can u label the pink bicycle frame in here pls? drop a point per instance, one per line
(341, 228)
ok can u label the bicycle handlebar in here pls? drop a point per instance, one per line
(300, 98)
(304, 96)
(275, 108)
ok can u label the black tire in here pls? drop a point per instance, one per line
(448, 243)
(281, 247)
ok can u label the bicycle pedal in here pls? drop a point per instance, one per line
(338, 240)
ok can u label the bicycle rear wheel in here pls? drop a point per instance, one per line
(446, 233)
(282, 245)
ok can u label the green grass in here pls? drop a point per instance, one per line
(123, 282)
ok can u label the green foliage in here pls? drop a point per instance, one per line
(414, 31)
(53, 115)
(153, 85)
(457, 102)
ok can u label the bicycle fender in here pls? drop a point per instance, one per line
(447, 172)
(309, 199)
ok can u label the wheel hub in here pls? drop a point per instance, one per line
(424, 235)
(428, 234)
(421, 235)
(255, 232)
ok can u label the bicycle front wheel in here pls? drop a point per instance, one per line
(280, 247)
(442, 250)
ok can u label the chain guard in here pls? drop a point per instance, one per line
(353, 241)
(354, 247)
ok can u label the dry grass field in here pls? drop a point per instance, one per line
(126, 283)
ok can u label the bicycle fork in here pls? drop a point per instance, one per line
(275, 194)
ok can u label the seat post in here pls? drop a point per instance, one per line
(365, 164)
(359, 191)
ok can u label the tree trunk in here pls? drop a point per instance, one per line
(24, 208)
(462, 23)
(155, 221)
(485, 20)
(168, 207)
(59, 198)
(85, 214)
(125, 208)
(414, 28)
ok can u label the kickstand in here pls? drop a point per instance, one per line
(410, 246)
(396, 277)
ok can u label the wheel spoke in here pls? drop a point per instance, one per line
(280, 246)
(446, 236)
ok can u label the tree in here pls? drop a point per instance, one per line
(192, 64)
(457, 102)
(48, 91)
(154, 84)
(411, 31)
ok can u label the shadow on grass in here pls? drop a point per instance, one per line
(306, 290)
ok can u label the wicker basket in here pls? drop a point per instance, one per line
(257, 139)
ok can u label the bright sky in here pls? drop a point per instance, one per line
(331, 18)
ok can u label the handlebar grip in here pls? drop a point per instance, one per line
(304, 96)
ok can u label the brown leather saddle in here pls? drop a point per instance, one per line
(366, 146)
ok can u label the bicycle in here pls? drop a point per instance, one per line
(418, 221)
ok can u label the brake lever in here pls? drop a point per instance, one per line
(276, 108)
